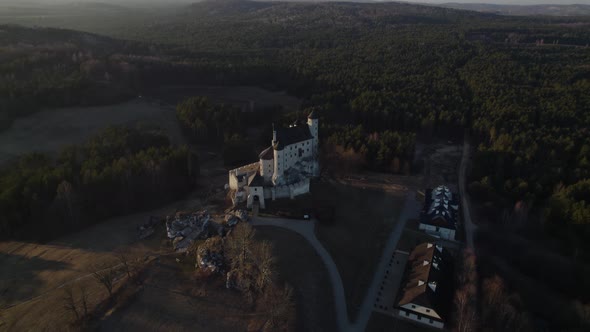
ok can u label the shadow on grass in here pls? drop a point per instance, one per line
(19, 278)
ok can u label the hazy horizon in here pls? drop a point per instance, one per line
(498, 2)
(506, 2)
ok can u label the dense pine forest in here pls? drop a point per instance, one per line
(518, 85)
(118, 171)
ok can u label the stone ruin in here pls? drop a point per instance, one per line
(185, 229)
(210, 254)
(234, 216)
(210, 259)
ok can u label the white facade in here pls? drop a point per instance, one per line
(410, 313)
(256, 194)
(284, 169)
(267, 168)
(442, 232)
(315, 142)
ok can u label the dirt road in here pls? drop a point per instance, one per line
(470, 228)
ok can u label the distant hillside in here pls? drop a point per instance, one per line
(517, 10)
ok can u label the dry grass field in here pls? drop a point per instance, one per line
(171, 299)
(363, 221)
(33, 275)
(243, 97)
(50, 130)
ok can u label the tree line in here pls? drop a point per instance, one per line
(352, 148)
(117, 171)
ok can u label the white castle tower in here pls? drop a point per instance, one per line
(313, 124)
(278, 157)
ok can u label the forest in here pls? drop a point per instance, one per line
(519, 85)
(118, 171)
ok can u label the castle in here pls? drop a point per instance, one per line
(284, 168)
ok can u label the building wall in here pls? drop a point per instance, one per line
(299, 188)
(291, 190)
(289, 156)
(279, 164)
(314, 127)
(255, 191)
(246, 170)
(266, 169)
(445, 233)
(421, 310)
(421, 319)
(233, 181)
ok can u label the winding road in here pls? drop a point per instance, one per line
(470, 227)
(307, 230)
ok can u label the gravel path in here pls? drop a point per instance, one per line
(470, 228)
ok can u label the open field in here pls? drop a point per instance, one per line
(172, 300)
(441, 164)
(244, 97)
(50, 130)
(32, 273)
(32, 288)
(362, 223)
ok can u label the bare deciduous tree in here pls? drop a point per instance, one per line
(465, 300)
(78, 308)
(70, 302)
(128, 264)
(265, 263)
(106, 277)
(279, 305)
(84, 299)
(465, 310)
(239, 245)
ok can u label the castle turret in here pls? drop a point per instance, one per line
(277, 157)
(313, 123)
(267, 163)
